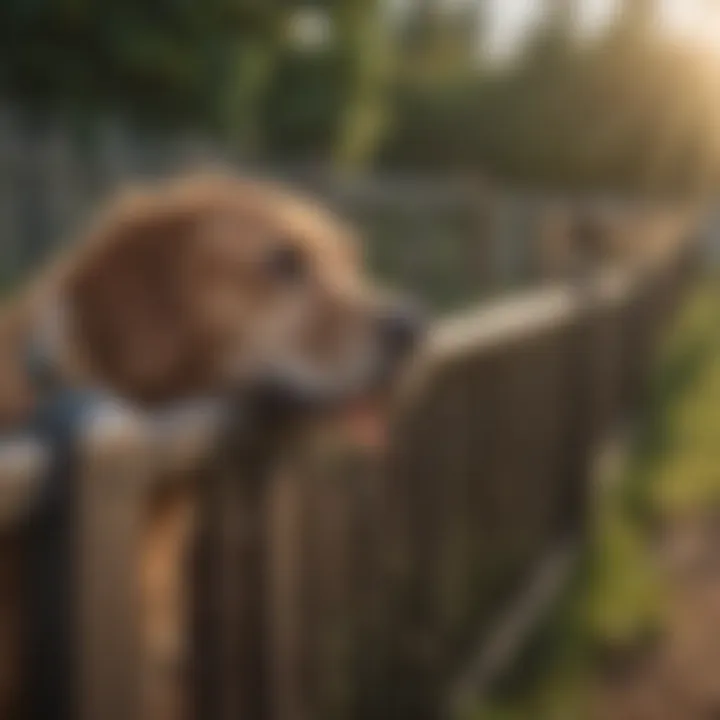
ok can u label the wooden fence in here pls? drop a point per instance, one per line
(326, 584)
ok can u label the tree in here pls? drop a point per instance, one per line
(628, 110)
(168, 59)
(231, 67)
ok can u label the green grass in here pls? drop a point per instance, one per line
(615, 605)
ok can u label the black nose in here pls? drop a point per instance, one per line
(402, 327)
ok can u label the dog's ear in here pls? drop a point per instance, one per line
(127, 303)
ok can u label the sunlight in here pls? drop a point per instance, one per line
(697, 21)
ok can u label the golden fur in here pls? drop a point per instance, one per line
(169, 281)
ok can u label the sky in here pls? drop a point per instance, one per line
(510, 20)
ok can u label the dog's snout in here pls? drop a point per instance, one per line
(401, 329)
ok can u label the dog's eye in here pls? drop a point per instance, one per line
(287, 263)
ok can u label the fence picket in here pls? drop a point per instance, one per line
(112, 486)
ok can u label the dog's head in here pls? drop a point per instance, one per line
(204, 284)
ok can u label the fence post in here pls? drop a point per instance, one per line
(111, 488)
(85, 654)
(231, 579)
(583, 425)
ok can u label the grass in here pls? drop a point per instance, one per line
(615, 604)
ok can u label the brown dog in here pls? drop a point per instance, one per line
(196, 287)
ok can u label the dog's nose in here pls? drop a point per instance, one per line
(402, 328)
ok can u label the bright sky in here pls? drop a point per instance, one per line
(511, 19)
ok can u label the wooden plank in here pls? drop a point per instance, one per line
(399, 567)
(287, 641)
(371, 587)
(231, 640)
(454, 571)
(123, 455)
(111, 488)
(423, 641)
(329, 599)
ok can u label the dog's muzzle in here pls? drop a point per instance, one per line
(396, 331)
(401, 328)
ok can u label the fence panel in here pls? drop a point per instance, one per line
(330, 583)
(488, 475)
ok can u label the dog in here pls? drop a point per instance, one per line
(202, 286)
(198, 284)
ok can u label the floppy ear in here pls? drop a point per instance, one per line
(127, 302)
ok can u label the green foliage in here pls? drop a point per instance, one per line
(628, 110)
(168, 58)
(228, 66)
(301, 107)
(328, 102)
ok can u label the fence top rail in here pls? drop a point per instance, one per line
(511, 320)
(177, 439)
(514, 318)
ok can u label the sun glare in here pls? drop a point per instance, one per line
(695, 21)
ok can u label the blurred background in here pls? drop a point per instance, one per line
(410, 115)
(469, 140)
(593, 94)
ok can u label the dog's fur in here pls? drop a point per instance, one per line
(173, 294)
(189, 288)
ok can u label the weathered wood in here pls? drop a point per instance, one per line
(98, 519)
(287, 641)
(336, 587)
(232, 586)
(112, 486)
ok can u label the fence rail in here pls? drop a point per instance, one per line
(326, 583)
